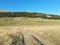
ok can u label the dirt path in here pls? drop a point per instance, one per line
(31, 39)
(30, 33)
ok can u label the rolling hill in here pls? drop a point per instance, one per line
(28, 14)
(26, 18)
(25, 28)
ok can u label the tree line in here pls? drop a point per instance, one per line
(27, 14)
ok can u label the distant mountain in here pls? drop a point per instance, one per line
(3, 11)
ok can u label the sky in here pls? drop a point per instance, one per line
(40, 6)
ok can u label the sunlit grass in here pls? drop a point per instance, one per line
(19, 21)
(45, 29)
(48, 33)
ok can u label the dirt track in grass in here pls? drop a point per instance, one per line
(35, 35)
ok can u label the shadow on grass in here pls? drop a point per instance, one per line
(17, 39)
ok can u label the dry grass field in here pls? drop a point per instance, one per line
(21, 21)
(30, 31)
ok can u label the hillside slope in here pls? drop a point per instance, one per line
(20, 28)
(28, 14)
(25, 21)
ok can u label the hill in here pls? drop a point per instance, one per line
(3, 11)
(26, 18)
(27, 14)
(25, 28)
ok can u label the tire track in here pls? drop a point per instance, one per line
(31, 40)
(23, 39)
(37, 40)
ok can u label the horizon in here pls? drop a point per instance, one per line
(27, 12)
(39, 6)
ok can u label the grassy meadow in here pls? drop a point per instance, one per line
(26, 21)
(29, 31)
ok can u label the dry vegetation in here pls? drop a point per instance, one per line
(12, 35)
(21, 21)
(29, 31)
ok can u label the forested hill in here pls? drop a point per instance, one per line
(29, 14)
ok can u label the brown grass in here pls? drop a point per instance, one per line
(11, 35)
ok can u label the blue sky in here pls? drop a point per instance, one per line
(41, 6)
